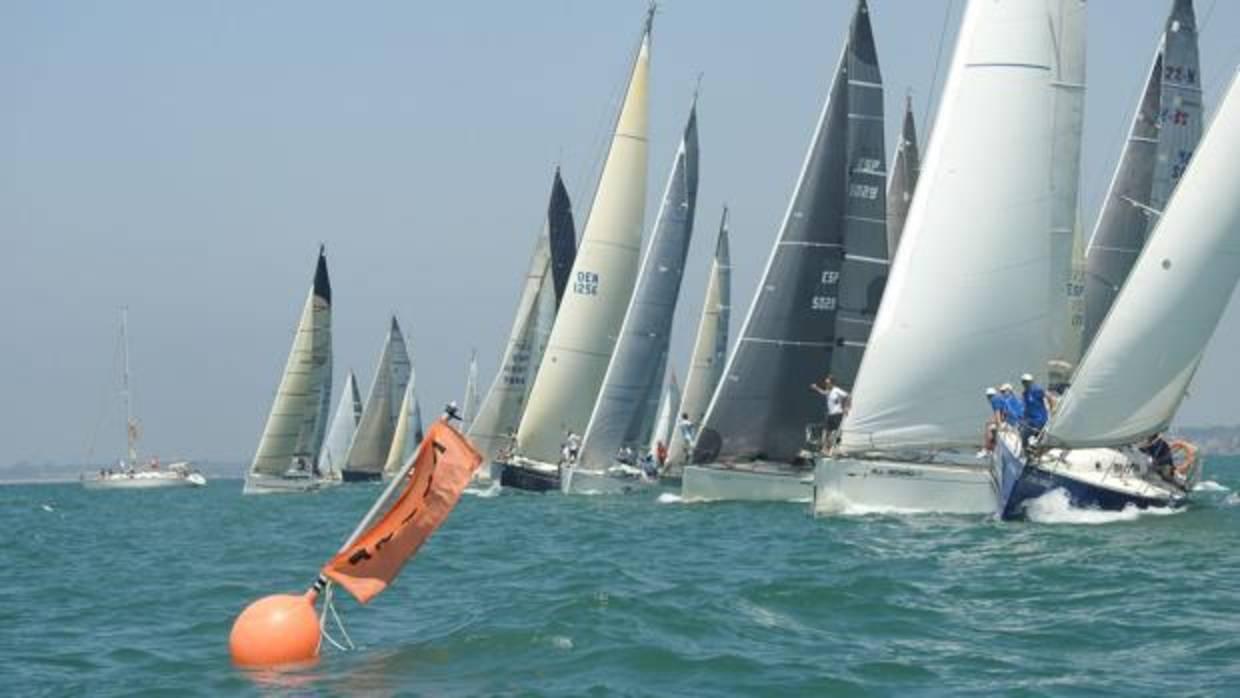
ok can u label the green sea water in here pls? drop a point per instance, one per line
(133, 593)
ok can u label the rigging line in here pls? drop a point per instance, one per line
(103, 402)
(1205, 21)
(934, 76)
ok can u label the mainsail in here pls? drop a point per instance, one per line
(710, 349)
(373, 440)
(1164, 133)
(902, 181)
(495, 426)
(1139, 367)
(588, 322)
(967, 303)
(469, 404)
(623, 413)
(292, 436)
(340, 435)
(812, 310)
(408, 432)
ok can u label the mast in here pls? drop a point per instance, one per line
(131, 425)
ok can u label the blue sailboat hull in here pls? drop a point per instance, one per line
(1020, 482)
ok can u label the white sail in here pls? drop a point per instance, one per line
(469, 404)
(669, 407)
(602, 279)
(966, 304)
(499, 414)
(1068, 93)
(1137, 370)
(289, 437)
(373, 440)
(408, 433)
(340, 435)
(711, 346)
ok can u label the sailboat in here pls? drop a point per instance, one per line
(812, 310)
(583, 337)
(625, 412)
(665, 423)
(372, 442)
(967, 303)
(493, 429)
(1139, 367)
(297, 424)
(710, 350)
(340, 433)
(1164, 133)
(129, 473)
(469, 404)
(902, 182)
(408, 432)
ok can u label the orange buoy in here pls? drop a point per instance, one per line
(276, 629)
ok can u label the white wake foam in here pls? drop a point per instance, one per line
(1055, 507)
(835, 504)
(669, 498)
(484, 492)
(1210, 486)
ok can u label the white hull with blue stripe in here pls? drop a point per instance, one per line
(1094, 478)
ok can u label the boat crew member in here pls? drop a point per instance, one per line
(572, 446)
(660, 453)
(1159, 451)
(837, 406)
(1013, 408)
(1038, 406)
(997, 405)
(686, 427)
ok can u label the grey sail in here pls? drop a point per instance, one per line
(625, 410)
(343, 425)
(816, 301)
(902, 181)
(373, 439)
(1164, 133)
(710, 349)
(499, 413)
(562, 234)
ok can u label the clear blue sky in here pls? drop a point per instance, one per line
(186, 159)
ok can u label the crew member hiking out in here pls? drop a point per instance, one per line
(837, 407)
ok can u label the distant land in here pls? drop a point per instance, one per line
(29, 472)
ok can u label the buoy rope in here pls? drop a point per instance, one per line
(329, 606)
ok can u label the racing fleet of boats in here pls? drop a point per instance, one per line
(934, 278)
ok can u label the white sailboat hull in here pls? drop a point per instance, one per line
(275, 484)
(898, 486)
(749, 482)
(144, 480)
(575, 480)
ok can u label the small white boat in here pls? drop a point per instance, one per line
(129, 474)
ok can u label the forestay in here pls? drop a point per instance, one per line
(967, 304)
(629, 396)
(1138, 369)
(589, 318)
(292, 425)
(493, 428)
(811, 312)
(1164, 133)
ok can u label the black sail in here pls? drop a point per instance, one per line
(822, 283)
(563, 236)
(902, 181)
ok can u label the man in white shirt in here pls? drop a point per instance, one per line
(837, 407)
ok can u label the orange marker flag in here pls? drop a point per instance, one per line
(444, 463)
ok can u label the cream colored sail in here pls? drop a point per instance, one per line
(1137, 370)
(408, 433)
(602, 279)
(373, 440)
(288, 439)
(344, 423)
(711, 346)
(967, 303)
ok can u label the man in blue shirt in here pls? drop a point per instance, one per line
(1038, 406)
(1013, 408)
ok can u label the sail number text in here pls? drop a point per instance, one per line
(586, 283)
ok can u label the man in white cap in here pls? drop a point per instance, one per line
(1013, 408)
(1038, 406)
(992, 423)
(837, 407)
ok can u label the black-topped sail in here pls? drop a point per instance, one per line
(1161, 141)
(812, 311)
(563, 236)
(903, 179)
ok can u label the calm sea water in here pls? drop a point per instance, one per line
(133, 593)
